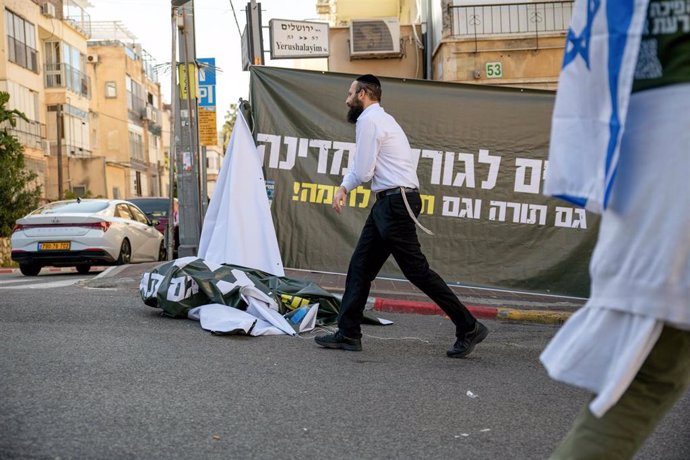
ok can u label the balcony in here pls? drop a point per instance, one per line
(70, 150)
(73, 13)
(136, 107)
(63, 75)
(527, 19)
(31, 134)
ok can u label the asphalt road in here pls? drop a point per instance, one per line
(94, 373)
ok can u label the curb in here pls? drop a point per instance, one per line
(498, 313)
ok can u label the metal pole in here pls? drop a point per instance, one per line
(203, 182)
(257, 34)
(429, 40)
(192, 125)
(58, 115)
(170, 228)
(188, 145)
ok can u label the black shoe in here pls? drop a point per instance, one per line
(338, 340)
(464, 346)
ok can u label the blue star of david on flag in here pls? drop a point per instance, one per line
(578, 45)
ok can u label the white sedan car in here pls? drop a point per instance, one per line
(82, 233)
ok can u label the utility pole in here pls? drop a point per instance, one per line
(58, 115)
(256, 40)
(187, 133)
(174, 103)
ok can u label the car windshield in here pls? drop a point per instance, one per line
(155, 208)
(82, 207)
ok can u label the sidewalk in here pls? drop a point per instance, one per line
(400, 296)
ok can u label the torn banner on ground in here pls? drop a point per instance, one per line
(232, 299)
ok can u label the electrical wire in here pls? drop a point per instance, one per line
(239, 31)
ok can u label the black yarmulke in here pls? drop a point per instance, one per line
(369, 78)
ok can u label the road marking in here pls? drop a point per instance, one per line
(40, 285)
(21, 280)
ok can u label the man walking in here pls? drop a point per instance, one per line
(383, 155)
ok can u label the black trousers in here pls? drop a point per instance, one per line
(390, 230)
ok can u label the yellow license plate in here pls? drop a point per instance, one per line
(54, 246)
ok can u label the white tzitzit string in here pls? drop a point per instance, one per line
(409, 211)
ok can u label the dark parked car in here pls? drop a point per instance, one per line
(157, 209)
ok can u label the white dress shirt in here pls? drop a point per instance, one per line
(382, 154)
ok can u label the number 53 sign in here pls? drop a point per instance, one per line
(494, 70)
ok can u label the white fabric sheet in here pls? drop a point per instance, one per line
(641, 265)
(238, 228)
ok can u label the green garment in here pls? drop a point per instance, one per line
(621, 431)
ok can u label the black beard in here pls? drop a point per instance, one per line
(354, 112)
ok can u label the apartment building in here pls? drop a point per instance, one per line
(91, 96)
(127, 124)
(494, 42)
(497, 42)
(42, 67)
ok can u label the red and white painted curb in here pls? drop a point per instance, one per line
(500, 313)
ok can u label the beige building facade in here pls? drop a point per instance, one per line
(491, 42)
(42, 66)
(96, 124)
(127, 120)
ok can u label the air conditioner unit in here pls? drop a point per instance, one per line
(375, 37)
(48, 9)
(93, 58)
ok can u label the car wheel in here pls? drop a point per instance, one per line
(162, 252)
(125, 253)
(29, 269)
(83, 269)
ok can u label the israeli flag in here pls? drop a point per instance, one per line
(592, 100)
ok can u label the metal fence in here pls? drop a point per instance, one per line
(29, 133)
(63, 75)
(510, 18)
(70, 150)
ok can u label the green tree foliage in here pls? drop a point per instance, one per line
(228, 124)
(18, 193)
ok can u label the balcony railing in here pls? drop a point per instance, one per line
(510, 18)
(29, 133)
(63, 75)
(69, 150)
(77, 16)
(136, 106)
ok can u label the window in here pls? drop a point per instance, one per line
(135, 99)
(82, 207)
(21, 41)
(79, 190)
(136, 146)
(122, 211)
(110, 89)
(137, 183)
(65, 67)
(138, 215)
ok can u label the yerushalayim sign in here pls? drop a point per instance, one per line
(298, 39)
